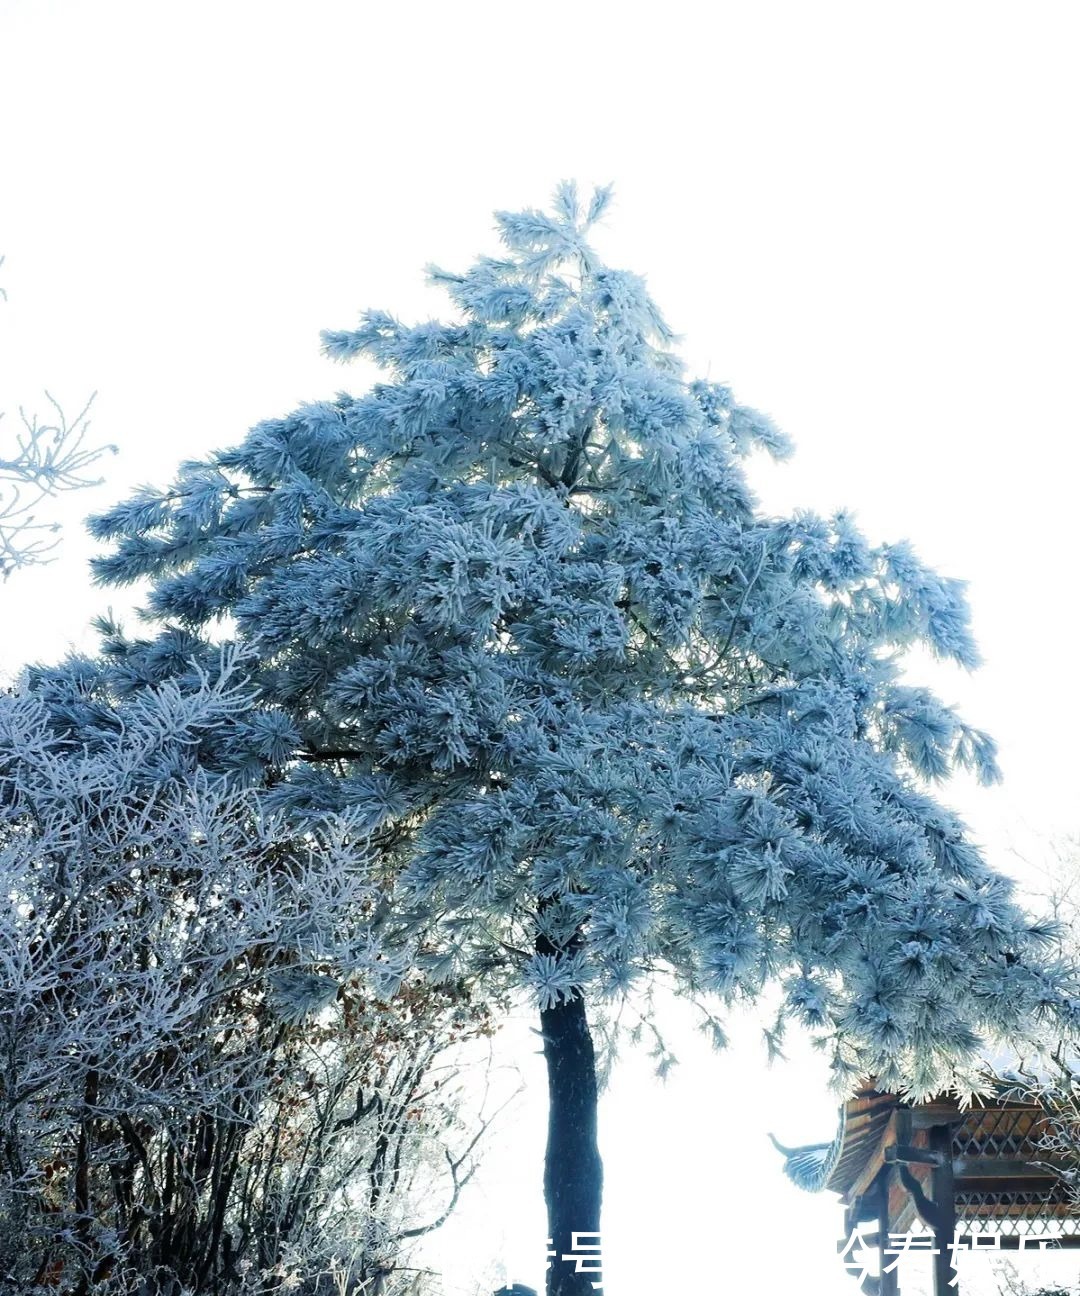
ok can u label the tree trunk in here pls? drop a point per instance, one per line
(573, 1175)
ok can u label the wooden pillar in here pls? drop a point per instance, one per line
(889, 1283)
(944, 1195)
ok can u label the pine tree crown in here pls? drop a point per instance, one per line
(516, 611)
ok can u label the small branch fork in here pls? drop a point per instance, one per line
(459, 1180)
(49, 457)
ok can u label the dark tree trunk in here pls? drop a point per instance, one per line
(573, 1175)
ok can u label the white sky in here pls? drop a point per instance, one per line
(861, 216)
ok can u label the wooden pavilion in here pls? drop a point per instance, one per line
(961, 1179)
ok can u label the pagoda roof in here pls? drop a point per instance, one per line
(995, 1149)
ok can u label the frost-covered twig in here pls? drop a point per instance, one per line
(49, 456)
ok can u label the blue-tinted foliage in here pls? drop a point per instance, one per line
(515, 609)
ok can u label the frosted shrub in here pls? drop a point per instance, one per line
(209, 1072)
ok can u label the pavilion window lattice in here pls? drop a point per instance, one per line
(1023, 1208)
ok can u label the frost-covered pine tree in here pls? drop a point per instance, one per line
(516, 609)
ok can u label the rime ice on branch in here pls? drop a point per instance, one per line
(47, 457)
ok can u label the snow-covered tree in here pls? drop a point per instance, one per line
(519, 616)
(211, 1078)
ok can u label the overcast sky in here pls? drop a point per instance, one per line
(863, 217)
